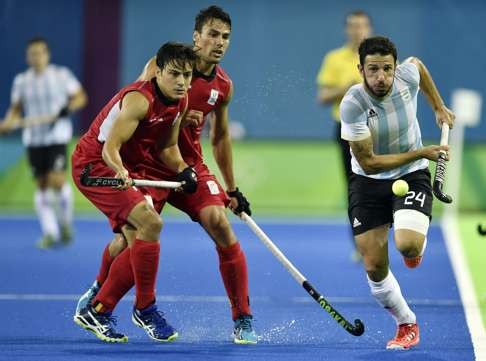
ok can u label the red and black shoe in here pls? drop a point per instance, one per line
(407, 336)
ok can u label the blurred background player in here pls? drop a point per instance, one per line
(140, 119)
(338, 72)
(379, 119)
(47, 89)
(211, 91)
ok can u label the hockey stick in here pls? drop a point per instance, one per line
(29, 122)
(88, 181)
(441, 168)
(357, 329)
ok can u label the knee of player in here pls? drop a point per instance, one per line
(410, 230)
(409, 247)
(215, 219)
(56, 180)
(152, 223)
(217, 225)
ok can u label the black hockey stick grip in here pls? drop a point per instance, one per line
(440, 170)
(357, 329)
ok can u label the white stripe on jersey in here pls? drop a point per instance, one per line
(392, 122)
(45, 94)
(107, 124)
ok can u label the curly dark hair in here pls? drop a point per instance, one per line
(175, 53)
(376, 45)
(207, 14)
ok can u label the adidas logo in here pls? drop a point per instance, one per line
(371, 113)
(356, 222)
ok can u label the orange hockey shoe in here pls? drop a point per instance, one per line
(412, 262)
(407, 336)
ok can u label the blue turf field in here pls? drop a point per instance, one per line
(38, 291)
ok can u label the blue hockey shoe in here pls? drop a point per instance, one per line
(243, 332)
(101, 324)
(153, 322)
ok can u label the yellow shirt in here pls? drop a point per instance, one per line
(339, 69)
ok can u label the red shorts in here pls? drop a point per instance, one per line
(209, 193)
(115, 204)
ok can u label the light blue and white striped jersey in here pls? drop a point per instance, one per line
(391, 122)
(45, 94)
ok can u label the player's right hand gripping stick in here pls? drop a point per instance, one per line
(243, 204)
(188, 178)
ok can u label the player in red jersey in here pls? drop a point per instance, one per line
(141, 119)
(210, 93)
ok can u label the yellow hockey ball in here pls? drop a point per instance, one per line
(400, 188)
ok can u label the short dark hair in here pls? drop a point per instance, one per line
(376, 45)
(207, 14)
(357, 13)
(175, 53)
(38, 39)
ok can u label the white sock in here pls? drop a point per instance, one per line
(389, 295)
(43, 202)
(64, 205)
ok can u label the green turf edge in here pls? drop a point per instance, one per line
(474, 247)
(279, 178)
(294, 178)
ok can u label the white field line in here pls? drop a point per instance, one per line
(465, 284)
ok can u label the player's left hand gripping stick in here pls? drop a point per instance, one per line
(440, 170)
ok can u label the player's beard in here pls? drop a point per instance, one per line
(381, 94)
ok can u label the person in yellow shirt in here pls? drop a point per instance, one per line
(338, 72)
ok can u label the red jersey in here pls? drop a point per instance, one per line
(206, 94)
(145, 141)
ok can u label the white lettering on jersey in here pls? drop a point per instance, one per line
(213, 97)
(405, 94)
(213, 187)
(156, 119)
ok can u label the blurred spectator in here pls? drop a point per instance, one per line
(338, 72)
(46, 89)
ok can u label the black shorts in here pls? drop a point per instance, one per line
(372, 202)
(47, 158)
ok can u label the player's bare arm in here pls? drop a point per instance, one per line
(192, 118)
(77, 101)
(428, 87)
(12, 118)
(133, 110)
(373, 163)
(221, 142)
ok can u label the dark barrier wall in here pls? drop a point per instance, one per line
(101, 53)
(277, 48)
